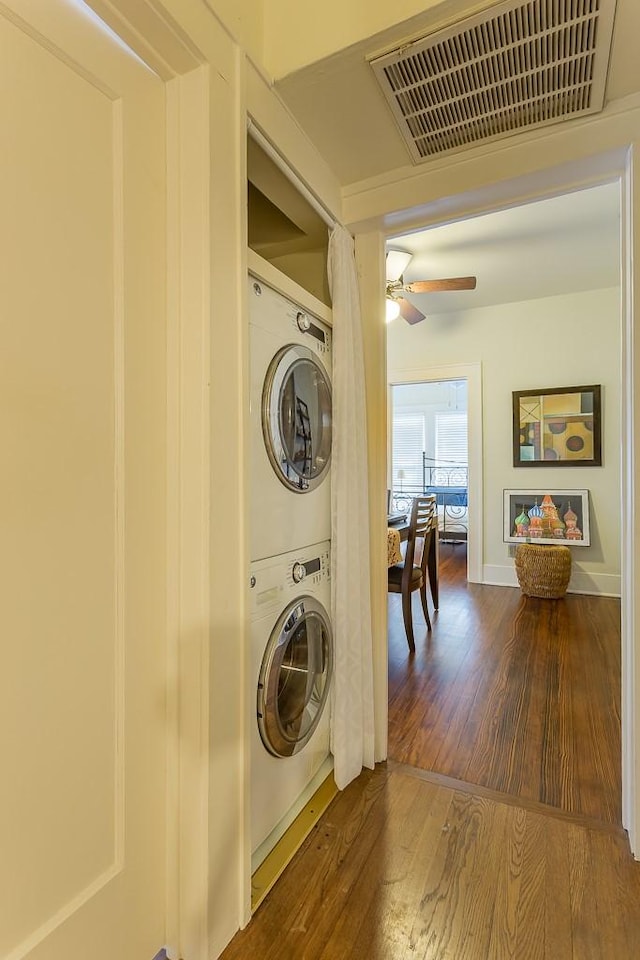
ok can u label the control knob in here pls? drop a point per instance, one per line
(303, 322)
(299, 572)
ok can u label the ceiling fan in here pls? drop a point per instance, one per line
(397, 304)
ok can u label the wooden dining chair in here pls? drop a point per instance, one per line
(412, 574)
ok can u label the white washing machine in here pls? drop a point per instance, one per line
(291, 424)
(292, 666)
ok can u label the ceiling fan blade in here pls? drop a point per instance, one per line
(435, 286)
(408, 312)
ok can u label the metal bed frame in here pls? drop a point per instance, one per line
(449, 482)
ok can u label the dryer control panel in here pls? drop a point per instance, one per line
(312, 327)
(274, 312)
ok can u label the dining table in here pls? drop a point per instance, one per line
(397, 533)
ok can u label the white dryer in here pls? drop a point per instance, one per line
(291, 424)
(292, 666)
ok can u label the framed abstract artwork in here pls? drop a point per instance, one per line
(557, 427)
(547, 516)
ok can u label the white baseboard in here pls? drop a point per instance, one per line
(594, 584)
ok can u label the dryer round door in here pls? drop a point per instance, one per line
(295, 677)
(296, 418)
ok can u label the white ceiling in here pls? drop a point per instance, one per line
(341, 108)
(561, 245)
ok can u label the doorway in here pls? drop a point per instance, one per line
(429, 451)
(458, 517)
(504, 365)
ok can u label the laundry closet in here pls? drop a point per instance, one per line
(289, 580)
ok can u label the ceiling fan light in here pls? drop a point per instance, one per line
(397, 261)
(393, 310)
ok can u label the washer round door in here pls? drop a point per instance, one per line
(295, 677)
(296, 418)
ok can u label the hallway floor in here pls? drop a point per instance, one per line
(517, 694)
(493, 830)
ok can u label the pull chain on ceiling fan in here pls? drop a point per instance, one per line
(397, 262)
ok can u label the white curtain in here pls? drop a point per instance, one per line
(352, 725)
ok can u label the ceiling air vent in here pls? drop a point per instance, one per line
(514, 67)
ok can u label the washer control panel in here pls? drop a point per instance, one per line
(312, 569)
(299, 572)
(275, 581)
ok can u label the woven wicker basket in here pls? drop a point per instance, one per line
(543, 571)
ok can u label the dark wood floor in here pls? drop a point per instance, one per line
(493, 833)
(400, 867)
(512, 693)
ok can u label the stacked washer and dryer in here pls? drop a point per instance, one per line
(290, 588)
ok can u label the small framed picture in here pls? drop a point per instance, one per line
(547, 516)
(557, 427)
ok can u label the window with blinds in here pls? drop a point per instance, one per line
(451, 444)
(408, 446)
(429, 423)
(451, 437)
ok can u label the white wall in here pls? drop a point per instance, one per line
(548, 342)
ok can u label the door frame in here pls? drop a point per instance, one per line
(630, 492)
(472, 373)
(200, 920)
(207, 850)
